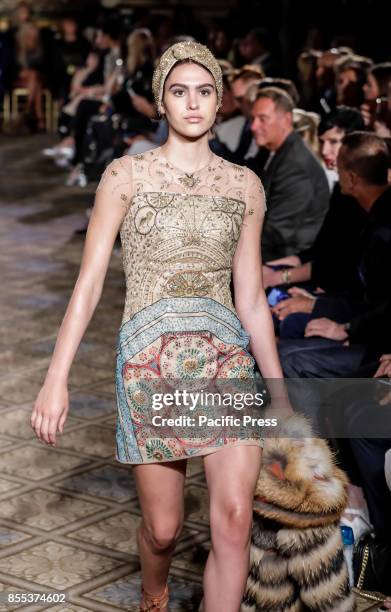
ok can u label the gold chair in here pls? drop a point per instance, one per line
(11, 107)
(6, 107)
(22, 92)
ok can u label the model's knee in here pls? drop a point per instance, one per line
(231, 525)
(162, 535)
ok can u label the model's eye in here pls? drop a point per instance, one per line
(205, 92)
(178, 92)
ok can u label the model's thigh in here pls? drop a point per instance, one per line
(231, 475)
(160, 490)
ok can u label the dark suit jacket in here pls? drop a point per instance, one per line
(371, 310)
(334, 254)
(297, 198)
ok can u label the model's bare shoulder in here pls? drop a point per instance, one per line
(117, 181)
(255, 193)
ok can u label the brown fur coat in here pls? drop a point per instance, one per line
(296, 559)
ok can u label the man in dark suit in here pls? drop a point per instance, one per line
(297, 192)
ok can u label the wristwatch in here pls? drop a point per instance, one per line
(286, 276)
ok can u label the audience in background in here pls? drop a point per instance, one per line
(363, 173)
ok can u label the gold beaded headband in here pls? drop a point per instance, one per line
(180, 51)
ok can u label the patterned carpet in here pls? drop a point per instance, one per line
(68, 514)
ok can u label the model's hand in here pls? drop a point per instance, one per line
(50, 411)
(325, 328)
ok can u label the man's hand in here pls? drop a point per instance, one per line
(289, 260)
(143, 106)
(325, 328)
(271, 277)
(384, 368)
(301, 301)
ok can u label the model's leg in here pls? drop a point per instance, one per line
(160, 491)
(231, 475)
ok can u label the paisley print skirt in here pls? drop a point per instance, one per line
(176, 344)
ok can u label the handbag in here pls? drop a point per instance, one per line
(372, 567)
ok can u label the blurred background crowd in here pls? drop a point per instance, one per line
(307, 106)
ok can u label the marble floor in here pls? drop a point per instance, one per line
(68, 514)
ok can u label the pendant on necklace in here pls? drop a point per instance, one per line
(189, 180)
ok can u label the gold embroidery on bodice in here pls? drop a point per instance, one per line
(180, 230)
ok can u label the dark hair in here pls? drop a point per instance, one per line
(262, 37)
(247, 72)
(285, 84)
(344, 118)
(365, 154)
(111, 27)
(281, 98)
(382, 74)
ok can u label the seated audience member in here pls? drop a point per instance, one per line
(325, 80)
(240, 145)
(306, 66)
(229, 120)
(29, 61)
(360, 417)
(375, 89)
(358, 325)
(296, 187)
(69, 54)
(285, 84)
(350, 77)
(306, 124)
(134, 99)
(220, 39)
(107, 40)
(328, 265)
(255, 48)
(83, 80)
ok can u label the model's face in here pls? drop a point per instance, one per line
(269, 124)
(371, 88)
(190, 100)
(330, 144)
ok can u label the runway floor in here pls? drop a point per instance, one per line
(68, 514)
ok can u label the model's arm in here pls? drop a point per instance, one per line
(250, 300)
(51, 407)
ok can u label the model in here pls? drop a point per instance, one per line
(188, 221)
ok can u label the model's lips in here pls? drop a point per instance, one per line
(194, 118)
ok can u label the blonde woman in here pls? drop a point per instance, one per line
(188, 219)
